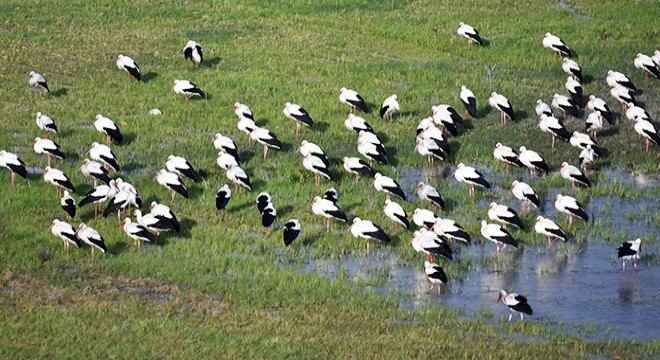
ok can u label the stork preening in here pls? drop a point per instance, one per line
(469, 101)
(222, 197)
(68, 204)
(586, 157)
(389, 107)
(238, 177)
(594, 123)
(435, 275)
(38, 83)
(515, 302)
(292, 229)
(194, 52)
(15, 165)
(424, 218)
(368, 230)
(630, 250)
(549, 229)
(357, 124)
(431, 244)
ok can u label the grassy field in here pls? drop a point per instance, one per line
(219, 289)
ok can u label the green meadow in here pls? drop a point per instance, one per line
(221, 288)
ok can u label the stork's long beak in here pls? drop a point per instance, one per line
(310, 205)
(372, 182)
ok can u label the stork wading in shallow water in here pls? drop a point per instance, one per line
(570, 206)
(523, 192)
(435, 275)
(515, 302)
(367, 230)
(630, 250)
(470, 176)
(429, 193)
(497, 235)
(549, 229)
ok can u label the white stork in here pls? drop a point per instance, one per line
(352, 99)
(172, 182)
(59, 179)
(597, 104)
(94, 169)
(387, 185)
(646, 63)
(556, 44)
(424, 218)
(91, 237)
(292, 229)
(447, 117)
(435, 275)
(389, 106)
(181, 166)
(396, 213)
(615, 78)
(318, 167)
(268, 216)
(358, 167)
(575, 90)
(64, 231)
(594, 123)
(104, 154)
(98, 195)
(497, 235)
(533, 161)
(565, 104)
(118, 203)
(468, 32)
(552, 125)
(581, 140)
(502, 104)
(549, 229)
(634, 112)
(331, 194)
(372, 152)
(164, 214)
(238, 176)
(648, 130)
(515, 302)
(227, 145)
(327, 209)
(432, 148)
(570, 206)
(506, 155)
(572, 68)
(243, 111)
(428, 193)
(368, 230)
(266, 138)
(222, 197)
(357, 124)
(38, 82)
(431, 244)
(48, 147)
(470, 176)
(630, 250)
(542, 108)
(586, 157)
(523, 192)
(130, 66)
(13, 164)
(46, 123)
(225, 160)
(187, 89)
(451, 230)
(469, 101)
(310, 149)
(573, 174)
(137, 232)
(624, 96)
(263, 199)
(505, 215)
(246, 125)
(109, 128)
(194, 52)
(68, 204)
(298, 114)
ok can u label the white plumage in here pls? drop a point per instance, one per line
(549, 229)
(556, 44)
(389, 106)
(38, 82)
(104, 154)
(239, 177)
(396, 213)
(523, 192)
(45, 123)
(187, 89)
(130, 66)
(194, 52)
(64, 231)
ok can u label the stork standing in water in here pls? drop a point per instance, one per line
(505, 215)
(549, 229)
(367, 230)
(570, 206)
(470, 176)
(523, 192)
(497, 235)
(630, 250)
(435, 275)
(515, 302)
(507, 155)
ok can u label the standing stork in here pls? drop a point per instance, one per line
(450, 229)
(372, 152)
(570, 206)
(507, 155)
(227, 145)
(357, 124)
(470, 33)
(623, 95)
(549, 229)
(222, 197)
(575, 90)
(368, 230)
(469, 101)
(646, 63)
(187, 89)
(266, 138)
(435, 275)
(68, 204)
(505, 215)
(581, 140)
(310, 149)
(46, 123)
(352, 99)
(91, 237)
(630, 250)
(243, 111)
(95, 170)
(428, 193)
(396, 213)
(318, 167)
(130, 66)
(515, 302)
(572, 68)
(615, 78)
(502, 104)
(523, 192)
(99, 194)
(59, 179)
(555, 127)
(648, 130)
(358, 167)
(328, 210)
(390, 105)
(137, 232)
(594, 123)
(542, 108)
(292, 229)
(298, 114)
(387, 185)
(573, 174)
(104, 154)
(557, 45)
(13, 164)
(181, 166)
(172, 182)
(470, 176)
(48, 147)
(38, 82)
(239, 177)
(497, 235)
(108, 127)
(597, 104)
(64, 231)
(194, 52)
(566, 105)
(533, 161)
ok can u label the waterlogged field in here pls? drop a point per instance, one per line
(221, 287)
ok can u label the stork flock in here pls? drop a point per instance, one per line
(435, 235)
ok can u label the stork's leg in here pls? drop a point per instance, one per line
(439, 289)
(524, 209)
(510, 314)
(396, 229)
(503, 247)
(187, 99)
(297, 129)
(553, 141)
(504, 226)
(430, 289)
(387, 195)
(107, 140)
(265, 151)
(48, 156)
(327, 225)
(647, 146)
(13, 179)
(367, 241)
(58, 192)
(572, 187)
(92, 260)
(564, 116)
(570, 222)
(96, 210)
(549, 243)
(635, 264)
(624, 266)
(357, 178)
(172, 199)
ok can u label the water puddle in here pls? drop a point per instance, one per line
(579, 285)
(33, 170)
(20, 135)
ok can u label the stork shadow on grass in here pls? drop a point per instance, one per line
(60, 92)
(211, 63)
(149, 76)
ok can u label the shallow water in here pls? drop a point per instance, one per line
(576, 285)
(572, 11)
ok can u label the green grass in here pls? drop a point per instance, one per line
(215, 289)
